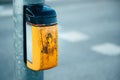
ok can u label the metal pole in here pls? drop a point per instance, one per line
(21, 72)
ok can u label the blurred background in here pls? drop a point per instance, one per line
(89, 40)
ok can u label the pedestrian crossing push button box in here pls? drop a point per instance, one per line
(40, 37)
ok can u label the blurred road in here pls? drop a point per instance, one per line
(89, 40)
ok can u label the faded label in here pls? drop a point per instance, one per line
(29, 42)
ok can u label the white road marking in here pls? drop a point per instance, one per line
(107, 49)
(73, 36)
(5, 11)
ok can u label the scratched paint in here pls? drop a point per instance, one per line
(44, 48)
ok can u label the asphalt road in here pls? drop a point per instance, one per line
(89, 41)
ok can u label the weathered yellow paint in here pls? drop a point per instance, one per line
(44, 48)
